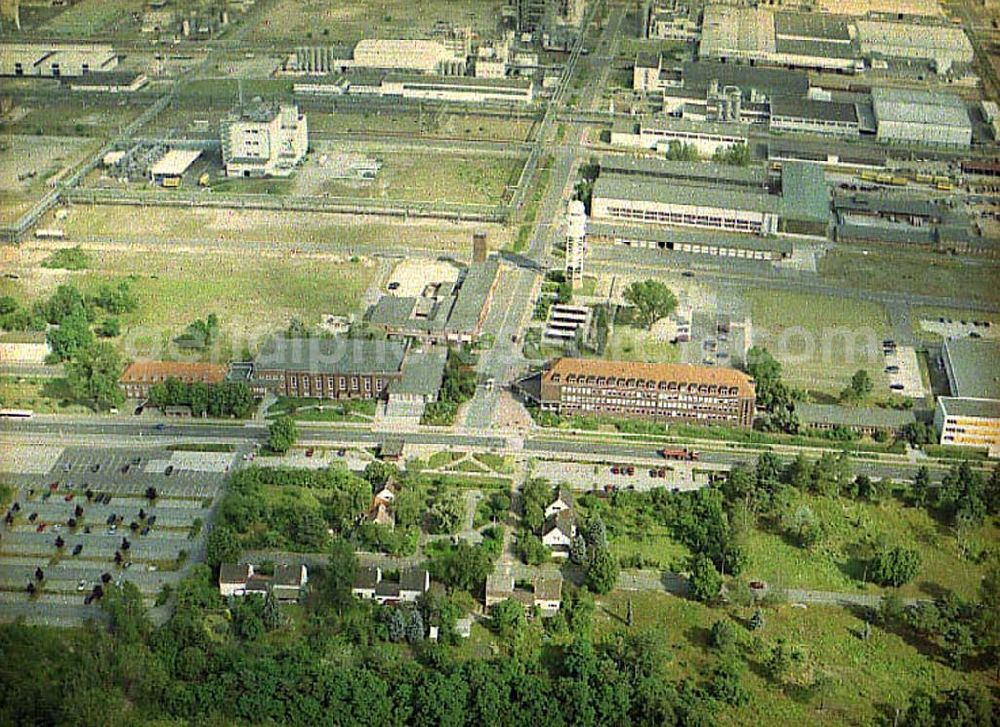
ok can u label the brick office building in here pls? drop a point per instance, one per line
(663, 392)
(139, 377)
(327, 368)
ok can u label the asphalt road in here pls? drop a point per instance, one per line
(538, 443)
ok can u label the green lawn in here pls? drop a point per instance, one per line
(432, 177)
(41, 395)
(837, 561)
(628, 343)
(252, 295)
(443, 459)
(324, 410)
(912, 271)
(136, 224)
(861, 676)
(820, 340)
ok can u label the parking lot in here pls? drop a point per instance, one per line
(644, 477)
(99, 516)
(903, 370)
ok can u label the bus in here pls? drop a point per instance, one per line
(49, 234)
(16, 413)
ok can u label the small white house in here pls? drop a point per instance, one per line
(563, 501)
(558, 532)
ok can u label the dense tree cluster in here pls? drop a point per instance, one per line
(229, 398)
(292, 508)
(964, 632)
(773, 395)
(457, 386)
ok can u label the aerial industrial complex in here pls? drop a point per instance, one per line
(464, 363)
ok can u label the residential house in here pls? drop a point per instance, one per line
(558, 532)
(233, 578)
(371, 583)
(241, 579)
(380, 511)
(289, 581)
(545, 592)
(563, 501)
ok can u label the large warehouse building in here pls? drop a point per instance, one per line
(655, 391)
(943, 46)
(827, 42)
(906, 116)
(716, 196)
(970, 417)
(759, 35)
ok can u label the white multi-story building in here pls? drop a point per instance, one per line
(267, 142)
(576, 242)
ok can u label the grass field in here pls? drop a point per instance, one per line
(253, 295)
(820, 340)
(433, 123)
(86, 17)
(917, 272)
(861, 678)
(837, 561)
(628, 343)
(423, 177)
(85, 118)
(29, 163)
(41, 395)
(339, 21)
(137, 224)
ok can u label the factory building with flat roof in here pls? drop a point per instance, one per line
(717, 196)
(970, 417)
(825, 42)
(658, 132)
(908, 116)
(55, 61)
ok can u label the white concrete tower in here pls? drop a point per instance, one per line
(576, 242)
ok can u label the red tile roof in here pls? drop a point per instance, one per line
(658, 372)
(152, 372)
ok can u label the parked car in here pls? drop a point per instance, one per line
(310, 452)
(758, 585)
(96, 467)
(125, 468)
(169, 470)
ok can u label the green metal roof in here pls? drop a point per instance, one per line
(982, 408)
(973, 368)
(471, 300)
(338, 355)
(423, 372)
(804, 194)
(851, 416)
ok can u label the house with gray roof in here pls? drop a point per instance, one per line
(862, 420)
